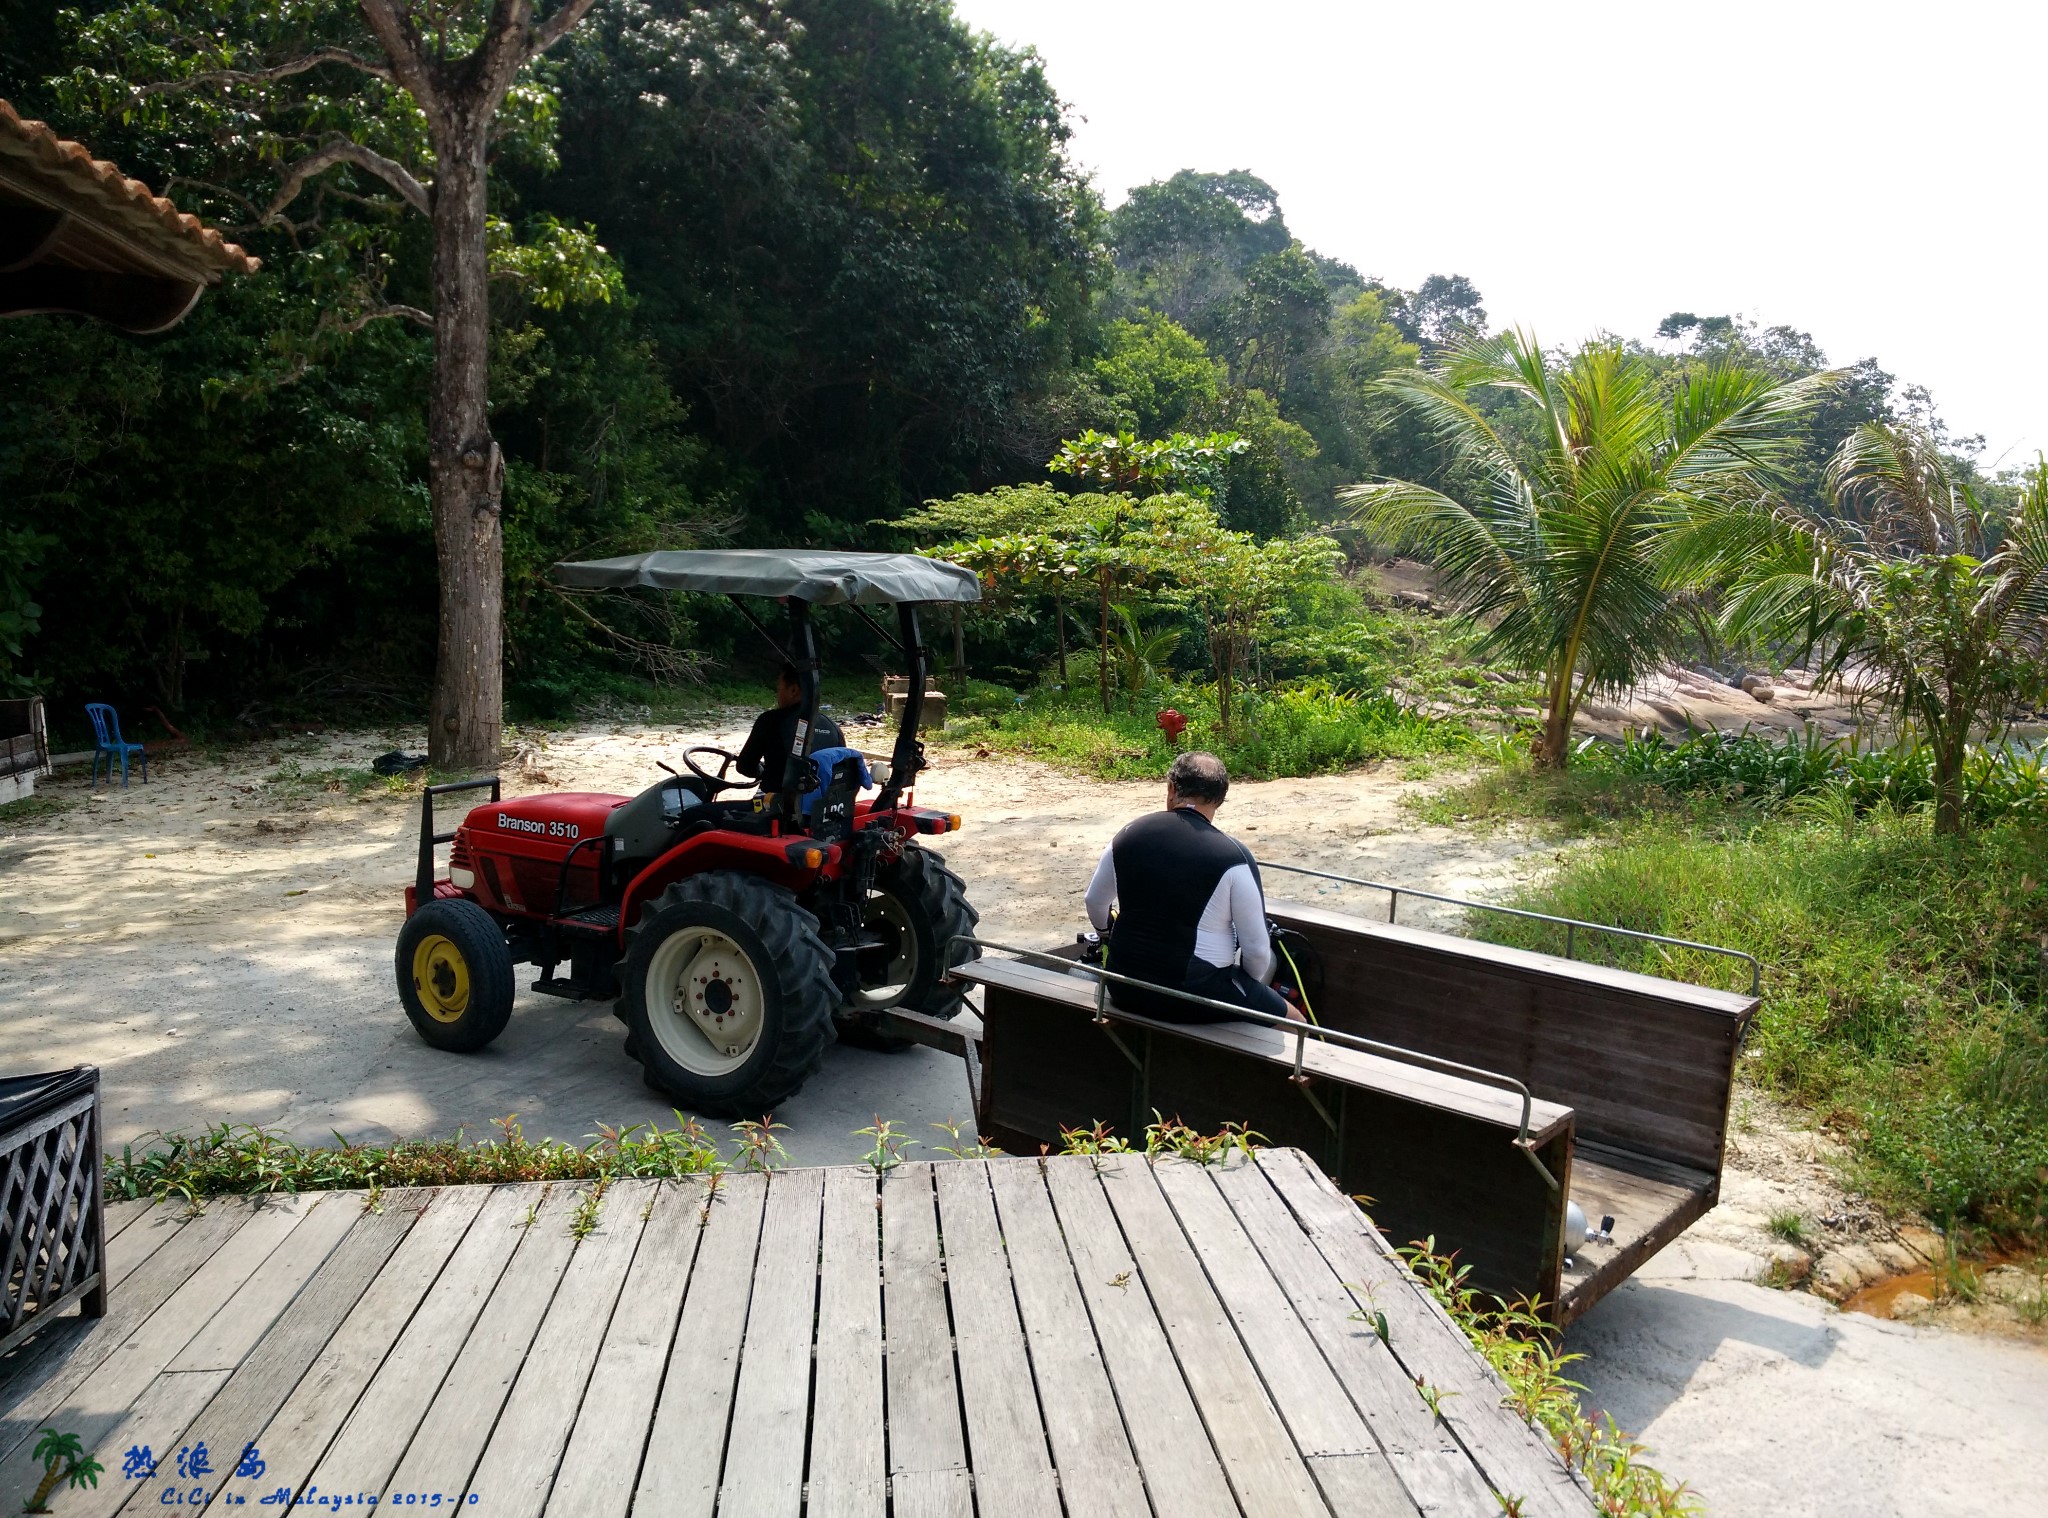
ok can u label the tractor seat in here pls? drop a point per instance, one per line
(647, 824)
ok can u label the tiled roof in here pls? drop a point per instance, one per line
(119, 206)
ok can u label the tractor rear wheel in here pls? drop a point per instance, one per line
(917, 910)
(455, 974)
(727, 988)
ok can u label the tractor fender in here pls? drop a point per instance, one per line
(795, 862)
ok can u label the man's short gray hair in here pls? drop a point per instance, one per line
(1197, 776)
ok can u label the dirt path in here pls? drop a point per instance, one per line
(219, 942)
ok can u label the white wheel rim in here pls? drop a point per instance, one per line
(886, 912)
(705, 1003)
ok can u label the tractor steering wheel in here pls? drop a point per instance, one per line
(719, 781)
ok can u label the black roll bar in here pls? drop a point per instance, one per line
(423, 883)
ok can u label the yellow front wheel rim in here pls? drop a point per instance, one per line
(441, 977)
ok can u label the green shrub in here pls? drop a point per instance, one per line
(1309, 728)
(238, 1160)
(1998, 782)
(1903, 985)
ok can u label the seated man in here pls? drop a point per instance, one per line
(1189, 910)
(774, 733)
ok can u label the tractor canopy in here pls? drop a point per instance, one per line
(823, 577)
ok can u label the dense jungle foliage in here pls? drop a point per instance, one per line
(772, 274)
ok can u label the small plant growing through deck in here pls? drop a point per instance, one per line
(1433, 1397)
(64, 1462)
(1172, 1136)
(760, 1149)
(979, 1149)
(1520, 1344)
(583, 1221)
(889, 1145)
(1789, 1225)
(1094, 1142)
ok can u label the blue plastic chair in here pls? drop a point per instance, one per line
(107, 744)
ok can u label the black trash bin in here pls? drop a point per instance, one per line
(53, 1230)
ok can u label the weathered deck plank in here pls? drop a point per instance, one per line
(374, 1438)
(235, 1327)
(1419, 1446)
(47, 1369)
(260, 1385)
(1077, 1337)
(1266, 1471)
(1320, 1418)
(686, 1450)
(1182, 1471)
(764, 1468)
(1006, 1439)
(525, 1449)
(602, 1462)
(849, 1470)
(291, 1443)
(93, 1407)
(924, 1400)
(1508, 1453)
(458, 1423)
(1098, 1475)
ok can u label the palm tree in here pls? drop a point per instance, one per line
(1911, 576)
(1563, 550)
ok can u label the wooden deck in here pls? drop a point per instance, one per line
(1009, 1337)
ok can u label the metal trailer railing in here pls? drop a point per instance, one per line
(1571, 925)
(1107, 1012)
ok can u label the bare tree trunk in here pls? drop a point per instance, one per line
(1059, 616)
(465, 469)
(1949, 754)
(1553, 747)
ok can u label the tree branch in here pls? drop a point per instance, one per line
(389, 170)
(283, 70)
(558, 26)
(393, 27)
(378, 313)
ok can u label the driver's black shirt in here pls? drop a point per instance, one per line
(769, 743)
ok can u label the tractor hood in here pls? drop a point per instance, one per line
(822, 577)
(561, 817)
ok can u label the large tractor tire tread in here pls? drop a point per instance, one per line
(460, 944)
(801, 964)
(939, 898)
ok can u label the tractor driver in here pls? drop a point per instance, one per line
(1190, 913)
(775, 731)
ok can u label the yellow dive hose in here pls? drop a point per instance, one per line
(1300, 989)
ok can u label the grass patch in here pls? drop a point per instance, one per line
(34, 809)
(238, 1160)
(1903, 972)
(1310, 728)
(1788, 1225)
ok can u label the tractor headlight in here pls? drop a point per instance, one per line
(461, 879)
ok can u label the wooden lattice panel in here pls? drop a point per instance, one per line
(52, 1230)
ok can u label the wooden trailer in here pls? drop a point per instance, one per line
(1468, 1091)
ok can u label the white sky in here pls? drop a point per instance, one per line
(1869, 173)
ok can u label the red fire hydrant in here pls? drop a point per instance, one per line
(1173, 724)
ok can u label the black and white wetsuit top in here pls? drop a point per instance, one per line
(1188, 901)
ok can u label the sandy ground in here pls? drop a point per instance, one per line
(219, 942)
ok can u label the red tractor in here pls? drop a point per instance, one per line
(735, 932)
